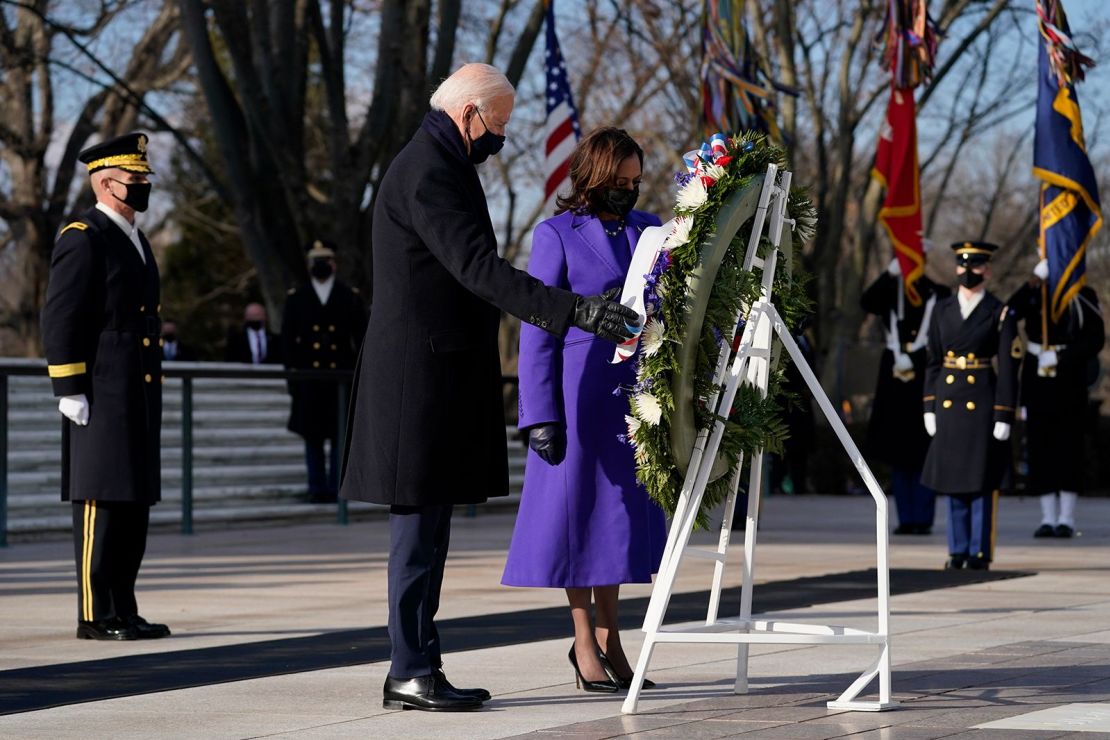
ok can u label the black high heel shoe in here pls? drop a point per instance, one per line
(624, 683)
(601, 687)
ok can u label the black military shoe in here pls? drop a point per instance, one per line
(1045, 530)
(977, 563)
(955, 562)
(479, 694)
(426, 693)
(112, 628)
(903, 529)
(144, 630)
(1063, 530)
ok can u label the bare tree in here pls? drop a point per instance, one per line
(35, 197)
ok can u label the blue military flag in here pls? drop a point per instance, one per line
(1070, 211)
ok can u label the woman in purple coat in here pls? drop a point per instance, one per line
(585, 524)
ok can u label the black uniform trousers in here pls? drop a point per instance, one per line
(109, 540)
(419, 537)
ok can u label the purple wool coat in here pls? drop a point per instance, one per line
(587, 521)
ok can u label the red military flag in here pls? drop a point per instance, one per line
(897, 169)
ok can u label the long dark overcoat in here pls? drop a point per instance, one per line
(1056, 406)
(428, 423)
(101, 331)
(968, 395)
(895, 432)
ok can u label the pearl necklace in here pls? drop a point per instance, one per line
(615, 231)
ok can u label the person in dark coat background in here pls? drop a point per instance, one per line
(1054, 396)
(252, 343)
(173, 349)
(100, 328)
(969, 407)
(428, 428)
(322, 329)
(895, 433)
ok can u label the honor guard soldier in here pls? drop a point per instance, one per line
(101, 331)
(322, 328)
(895, 433)
(969, 406)
(1054, 395)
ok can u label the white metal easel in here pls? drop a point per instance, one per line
(752, 363)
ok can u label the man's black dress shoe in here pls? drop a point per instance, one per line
(955, 562)
(479, 694)
(145, 630)
(1045, 530)
(904, 529)
(112, 628)
(977, 563)
(1063, 530)
(427, 693)
(922, 529)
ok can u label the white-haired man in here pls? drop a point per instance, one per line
(428, 426)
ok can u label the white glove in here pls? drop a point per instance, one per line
(1001, 431)
(894, 268)
(931, 423)
(903, 367)
(1046, 359)
(75, 408)
(1041, 270)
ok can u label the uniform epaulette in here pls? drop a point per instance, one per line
(79, 225)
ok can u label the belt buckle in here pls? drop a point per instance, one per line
(961, 362)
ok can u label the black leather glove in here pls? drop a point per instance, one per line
(603, 316)
(549, 441)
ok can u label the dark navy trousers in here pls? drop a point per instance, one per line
(971, 524)
(419, 537)
(916, 503)
(323, 478)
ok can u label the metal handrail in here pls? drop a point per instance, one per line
(188, 372)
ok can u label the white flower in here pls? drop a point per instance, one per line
(715, 171)
(693, 196)
(633, 426)
(680, 234)
(652, 338)
(647, 408)
(806, 225)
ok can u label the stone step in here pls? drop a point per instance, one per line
(23, 500)
(163, 518)
(51, 438)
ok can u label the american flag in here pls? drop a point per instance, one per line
(562, 119)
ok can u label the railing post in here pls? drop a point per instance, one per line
(3, 459)
(186, 454)
(340, 440)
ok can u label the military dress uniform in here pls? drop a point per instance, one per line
(101, 331)
(895, 433)
(1055, 399)
(320, 336)
(968, 396)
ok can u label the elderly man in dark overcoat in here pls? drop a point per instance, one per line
(428, 426)
(102, 334)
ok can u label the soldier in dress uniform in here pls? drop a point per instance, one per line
(101, 330)
(322, 329)
(1054, 395)
(895, 434)
(969, 406)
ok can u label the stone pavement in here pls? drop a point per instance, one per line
(262, 617)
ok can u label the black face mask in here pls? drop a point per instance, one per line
(321, 269)
(486, 145)
(170, 337)
(970, 279)
(618, 201)
(255, 325)
(138, 195)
